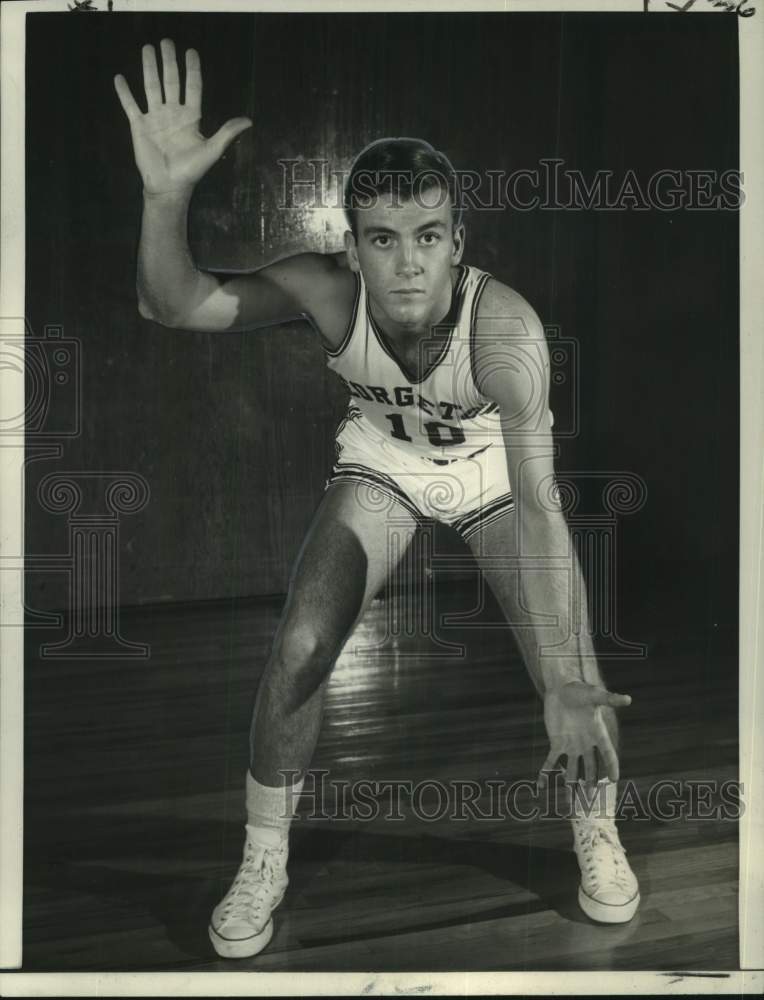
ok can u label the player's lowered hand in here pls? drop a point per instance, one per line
(170, 152)
(577, 730)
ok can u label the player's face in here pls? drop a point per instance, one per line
(405, 251)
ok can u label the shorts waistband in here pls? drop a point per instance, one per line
(449, 461)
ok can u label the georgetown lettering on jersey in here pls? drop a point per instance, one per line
(405, 396)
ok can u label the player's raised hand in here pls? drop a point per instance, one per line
(575, 726)
(170, 152)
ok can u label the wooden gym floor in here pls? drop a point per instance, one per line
(134, 802)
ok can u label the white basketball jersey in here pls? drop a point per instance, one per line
(440, 415)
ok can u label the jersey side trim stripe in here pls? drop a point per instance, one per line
(351, 325)
(482, 282)
(352, 472)
(468, 524)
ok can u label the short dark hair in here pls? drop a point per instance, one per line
(407, 166)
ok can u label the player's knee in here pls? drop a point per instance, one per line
(306, 653)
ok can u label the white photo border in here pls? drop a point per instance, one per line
(12, 286)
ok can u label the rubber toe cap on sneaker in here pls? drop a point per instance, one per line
(238, 940)
(613, 897)
(609, 906)
(235, 930)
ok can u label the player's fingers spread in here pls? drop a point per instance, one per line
(126, 98)
(590, 766)
(571, 768)
(610, 762)
(227, 133)
(151, 77)
(551, 760)
(601, 696)
(546, 767)
(237, 125)
(170, 76)
(193, 96)
(618, 700)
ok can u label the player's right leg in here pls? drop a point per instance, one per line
(344, 561)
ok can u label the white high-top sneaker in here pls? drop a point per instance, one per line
(241, 924)
(609, 891)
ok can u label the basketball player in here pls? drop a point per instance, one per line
(448, 376)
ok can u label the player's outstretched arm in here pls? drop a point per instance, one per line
(511, 365)
(172, 156)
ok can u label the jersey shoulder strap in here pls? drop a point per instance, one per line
(356, 314)
(477, 280)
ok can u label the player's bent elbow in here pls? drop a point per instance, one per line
(160, 316)
(155, 316)
(144, 309)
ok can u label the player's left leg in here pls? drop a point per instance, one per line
(609, 891)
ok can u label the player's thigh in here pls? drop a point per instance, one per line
(495, 549)
(352, 545)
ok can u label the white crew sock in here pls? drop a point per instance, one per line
(270, 810)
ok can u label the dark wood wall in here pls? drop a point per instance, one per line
(233, 433)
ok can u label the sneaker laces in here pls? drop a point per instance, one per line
(254, 885)
(602, 855)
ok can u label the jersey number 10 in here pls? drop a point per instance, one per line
(433, 428)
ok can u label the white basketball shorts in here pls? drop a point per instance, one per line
(465, 493)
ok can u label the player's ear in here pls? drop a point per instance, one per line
(458, 241)
(351, 250)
